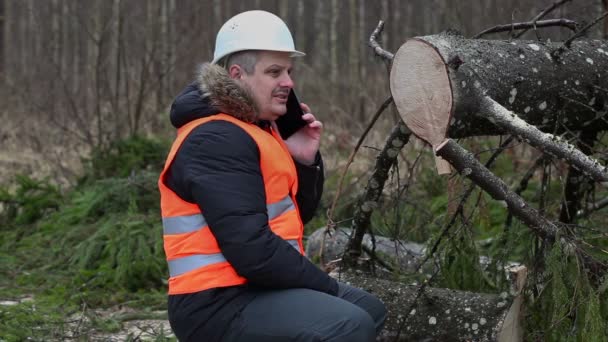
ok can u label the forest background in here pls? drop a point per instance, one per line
(84, 95)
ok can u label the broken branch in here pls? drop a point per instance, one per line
(528, 25)
(584, 29)
(373, 43)
(542, 14)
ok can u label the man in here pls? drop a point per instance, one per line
(234, 197)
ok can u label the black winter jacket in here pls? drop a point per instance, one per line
(218, 168)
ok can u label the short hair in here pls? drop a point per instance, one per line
(245, 59)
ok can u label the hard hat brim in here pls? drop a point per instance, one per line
(294, 53)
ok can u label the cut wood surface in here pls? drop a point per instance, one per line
(424, 101)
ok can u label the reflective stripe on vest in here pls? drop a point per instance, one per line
(192, 223)
(192, 262)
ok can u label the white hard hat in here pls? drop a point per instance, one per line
(253, 30)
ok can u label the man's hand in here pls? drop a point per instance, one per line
(304, 144)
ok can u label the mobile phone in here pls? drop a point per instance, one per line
(291, 121)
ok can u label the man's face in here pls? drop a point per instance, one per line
(270, 83)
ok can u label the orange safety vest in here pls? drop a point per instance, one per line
(195, 260)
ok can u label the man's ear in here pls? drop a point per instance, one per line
(235, 71)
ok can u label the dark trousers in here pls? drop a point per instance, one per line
(307, 315)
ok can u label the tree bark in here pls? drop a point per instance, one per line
(549, 143)
(4, 44)
(404, 256)
(605, 29)
(334, 43)
(438, 315)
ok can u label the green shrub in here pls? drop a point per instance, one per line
(124, 157)
(31, 200)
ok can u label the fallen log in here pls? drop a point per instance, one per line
(434, 314)
(405, 256)
(551, 91)
(448, 86)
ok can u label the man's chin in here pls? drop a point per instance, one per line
(279, 111)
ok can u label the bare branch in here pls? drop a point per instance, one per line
(330, 213)
(384, 162)
(523, 184)
(374, 44)
(528, 25)
(584, 29)
(549, 143)
(467, 165)
(542, 14)
(591, 207)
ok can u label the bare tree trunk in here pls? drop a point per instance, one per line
(397, 24)
(283, 10)
(5, 34)
(77, 50)
(116, 108)
(300, 23)
(164, 51)
(171, 58)
(354, 58)
(23, 32)
(605, 30)
(55, 34)
(217, 14)
(362, 33)
(66, 38)
(334, 43)
(320, 41)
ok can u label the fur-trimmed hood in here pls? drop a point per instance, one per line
(213, 92)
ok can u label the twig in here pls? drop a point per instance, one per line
(529, 24)
(584, 29)
(374, 44)
(592, 207)
(542, 14)
(371, 252)
(523, 185)
(330, 213)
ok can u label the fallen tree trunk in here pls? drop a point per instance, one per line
(448, 86)
(433, 314)
(553, 91)
(403, 256)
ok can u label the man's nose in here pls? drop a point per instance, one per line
(287, 81)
